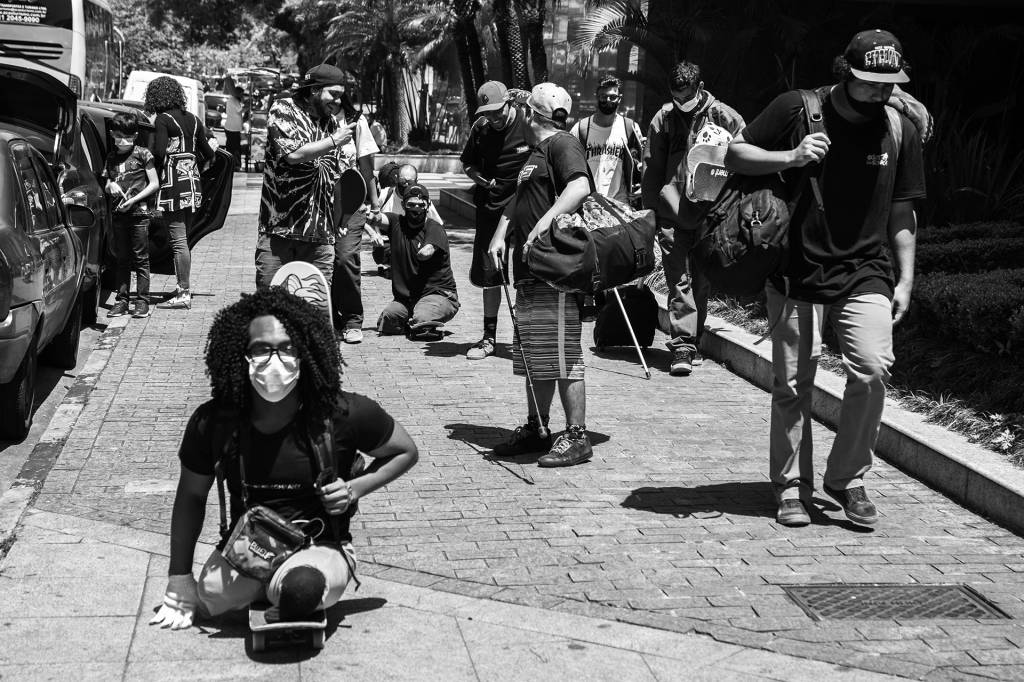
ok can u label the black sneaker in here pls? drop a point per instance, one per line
(119, 308)
(792, 513)
(572, 447)
(523, 440)
(855, 504)
(698, 359)
(682, 362)
(141, 308)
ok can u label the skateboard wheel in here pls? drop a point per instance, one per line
(259, 642)
(318, 639)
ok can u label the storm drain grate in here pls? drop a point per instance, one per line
(891, 602)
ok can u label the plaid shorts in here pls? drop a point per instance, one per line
(550, 328)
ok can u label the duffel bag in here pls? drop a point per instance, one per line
(602, 245)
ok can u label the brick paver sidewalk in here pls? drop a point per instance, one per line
(671, 524)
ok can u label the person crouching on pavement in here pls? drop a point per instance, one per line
(554, 180)
(275, 373)
(422, 281)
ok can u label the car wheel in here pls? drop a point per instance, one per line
(17, 399)
(62, 351)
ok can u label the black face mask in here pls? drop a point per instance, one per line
(607, 107)
(416, 216)
(869, 110)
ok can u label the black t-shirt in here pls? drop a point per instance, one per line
(281, 468)
(861, 176)
(552, 165)
(498, 154)
(411, 278)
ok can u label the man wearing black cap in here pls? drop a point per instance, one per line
(869, 174)
(496, 150)
(309, 144)
(422, 281)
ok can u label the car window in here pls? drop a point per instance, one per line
(30, 184)
(51, 200)
(92, 145)
(13, 179)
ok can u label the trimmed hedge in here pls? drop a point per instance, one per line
(970, 255)
(1000, 230)
(984, 310)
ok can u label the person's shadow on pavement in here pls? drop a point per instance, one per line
(737, 498)
(483, 438)
(453, 349)
(235, 625)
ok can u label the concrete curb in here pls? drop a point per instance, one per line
(968, 473)
(26, 486)
(459, 202)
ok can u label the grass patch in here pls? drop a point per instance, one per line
(950, 383)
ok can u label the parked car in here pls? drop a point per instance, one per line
(215, 179)
(138, 81)
(42, 262)
(43, 111)
(216, 110)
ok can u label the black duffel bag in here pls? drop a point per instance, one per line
(604, 244)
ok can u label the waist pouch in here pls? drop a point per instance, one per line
(261, 541)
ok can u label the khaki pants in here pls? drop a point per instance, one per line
(863, 325)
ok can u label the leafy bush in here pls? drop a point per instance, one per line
(970, 255)
(984, 310)
(992, 230)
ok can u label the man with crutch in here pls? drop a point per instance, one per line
(548, 351)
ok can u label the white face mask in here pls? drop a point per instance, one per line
(689, 105)
(274, 380)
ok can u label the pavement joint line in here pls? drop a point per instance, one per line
(978, 478)
(26, 485)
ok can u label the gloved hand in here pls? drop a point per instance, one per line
(180, 601)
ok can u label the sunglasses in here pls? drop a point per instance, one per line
(609, 98)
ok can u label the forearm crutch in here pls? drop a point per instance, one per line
(632, 335)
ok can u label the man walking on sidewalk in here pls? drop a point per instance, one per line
(672, 133)
(554, 180)
(496, 150)
(613, 142)
(871, 172)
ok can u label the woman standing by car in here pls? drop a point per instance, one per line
(179, 135)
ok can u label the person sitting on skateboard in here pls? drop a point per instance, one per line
(275, 374)
(422, 281)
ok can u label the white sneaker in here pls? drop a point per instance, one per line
(181, 300)
(352, 336)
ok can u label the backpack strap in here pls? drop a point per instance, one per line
(815, 122)
(224, 441)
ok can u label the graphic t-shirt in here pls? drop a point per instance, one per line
(607, 151)
(281, 469)
(842, 252)
(129, 172)
(298, 199)
(411, 278)
(552, 165)
(497, 154)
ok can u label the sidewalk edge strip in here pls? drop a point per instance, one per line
(29, 482)
(966, 472)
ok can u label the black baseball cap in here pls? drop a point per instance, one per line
(322, 75)
(876, 56)
(417, 191)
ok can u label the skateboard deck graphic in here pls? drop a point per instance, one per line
(305, 281)
(265, 627)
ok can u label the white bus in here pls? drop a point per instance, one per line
(73, 40)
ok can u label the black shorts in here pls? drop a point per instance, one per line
(482, 272)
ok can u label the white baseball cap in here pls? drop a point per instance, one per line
(550, 100)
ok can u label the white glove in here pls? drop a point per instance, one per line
(180, 601)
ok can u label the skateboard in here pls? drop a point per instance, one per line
(265, 627)
(349, 195)
(305, 281)
(705, 164)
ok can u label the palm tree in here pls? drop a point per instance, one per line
(532, 14)
(508, 33)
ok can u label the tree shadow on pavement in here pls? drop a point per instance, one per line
(738, 498)
(292, 649)
(658, 359)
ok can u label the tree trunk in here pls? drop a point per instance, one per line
(469, 82)
(401, 121)
(532, 13)
(510, 42)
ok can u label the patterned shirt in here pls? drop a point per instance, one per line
(129, 172)
(298, 199)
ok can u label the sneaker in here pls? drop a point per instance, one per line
(483, 349)
(855, 504)
(588, 311)
(181, 300)
(523, 440)
(141, 309)
(572, 447)
(352, 336)
(119, 308)
(698, 359)
(682, 363)
(792, 513)
(426, 334)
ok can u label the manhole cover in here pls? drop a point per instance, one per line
(891, 602)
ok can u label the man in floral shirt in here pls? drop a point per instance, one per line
(309, 145)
